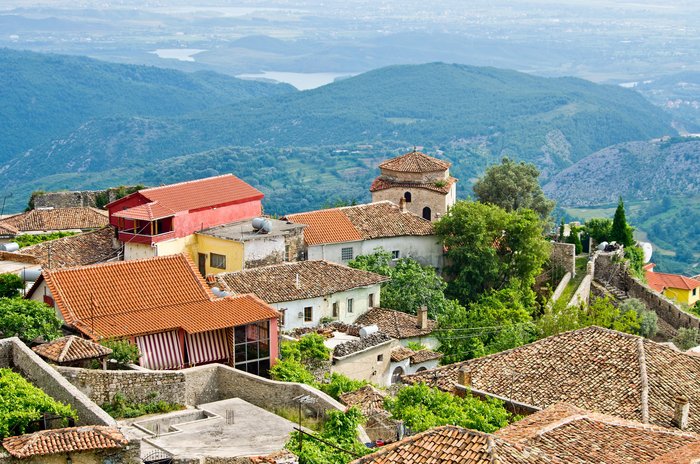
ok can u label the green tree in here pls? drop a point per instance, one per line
(338, 384)
(600, 229)
(412, 285)
(123, 352)
(340, 429)
(561, 230)
(648, 320)
(687, 338)
(421, 407)
(28, 320)
(575, 239)
(513, 186)
(489, 248)
(498, 321)
(10, 285)
(620, 231)
(21, 403)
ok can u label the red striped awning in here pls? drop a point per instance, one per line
(206, 347)
(160, 351)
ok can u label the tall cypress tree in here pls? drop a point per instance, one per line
(621, 232)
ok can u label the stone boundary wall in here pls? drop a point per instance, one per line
(15, 354)
(582, 293)
(139, 386)
(564, 255)
(560, 288)
(635, 288)
(66, 199)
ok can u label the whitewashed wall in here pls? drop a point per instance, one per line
(424, 249)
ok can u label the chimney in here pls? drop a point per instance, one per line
(422, 317)
(680, 412)
(402, 205)
(464, 377)
(296, 283)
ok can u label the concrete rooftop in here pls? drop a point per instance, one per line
(254, 431)
(241, 231)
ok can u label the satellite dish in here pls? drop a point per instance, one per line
(647, 249)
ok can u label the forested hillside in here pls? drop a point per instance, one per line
(471, 115)
(44, 97)
(660, 184)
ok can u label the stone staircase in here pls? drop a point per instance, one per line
(618, 294)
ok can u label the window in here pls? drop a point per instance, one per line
(283, 313)
(695, 291)
(396, 375)
(370, 302)
(380, 358)
(396, 254)
(308, 314)
(346, 253)
(335, 309)
(426, 213)
(252, 348)
(407, 197)
(349, 305)
(217, 261)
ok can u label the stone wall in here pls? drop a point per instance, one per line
(65, 199)
(560, 288)
(564, 255)
(608, 268)
(101, 386)
(43, 376)
(18, 258)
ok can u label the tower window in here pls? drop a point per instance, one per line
(426, 213)
(407, 197)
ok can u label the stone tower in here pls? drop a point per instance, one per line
(421, 181)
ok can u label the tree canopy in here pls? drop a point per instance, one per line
(10, 285)
(620, 231)
(28, 320)
(489, 248)
(513, 186)
(411, 286)
(422, 407)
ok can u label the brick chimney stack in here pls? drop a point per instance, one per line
(402, 205)
(422, 317)
(680, 412)
(464, 377)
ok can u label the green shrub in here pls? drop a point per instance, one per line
(21, 403)
(10, 285)
(121, 408)
(687, 338)
(26, 240)
(28, 320)
(123, 351)
(422, 407)
(340, 384)
(291, 370)
(648, 320)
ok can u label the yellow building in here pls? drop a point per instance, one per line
(685, 290)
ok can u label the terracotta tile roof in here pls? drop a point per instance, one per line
(68, 440)
(689, 454)
(360, 222)
(584, 437)
(456, 445)
(593, 368)
(7, 229)
(76, 250)
(326, 226)
(297, 280)
(660, 281)
(415, 161)
(425, 355)
(368, 399)
(71, 348)
(396, 324)
(146, 212)
(146, 296)
(57, 219)
(381, 183)
(400, 353)
(201, 193)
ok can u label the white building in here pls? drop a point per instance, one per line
(404, 327)
(341, 234)
(308, 292)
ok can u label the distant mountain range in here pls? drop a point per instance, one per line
(634, 170)
(70, 122)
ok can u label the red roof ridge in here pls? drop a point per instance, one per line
(184, 182)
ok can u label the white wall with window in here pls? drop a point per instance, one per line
(342, 306)
(424, 249)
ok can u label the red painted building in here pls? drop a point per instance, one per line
(155, 215)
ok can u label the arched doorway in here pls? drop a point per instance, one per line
(396, 375)
(407, 197)
(421, 369)
(426, 213)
